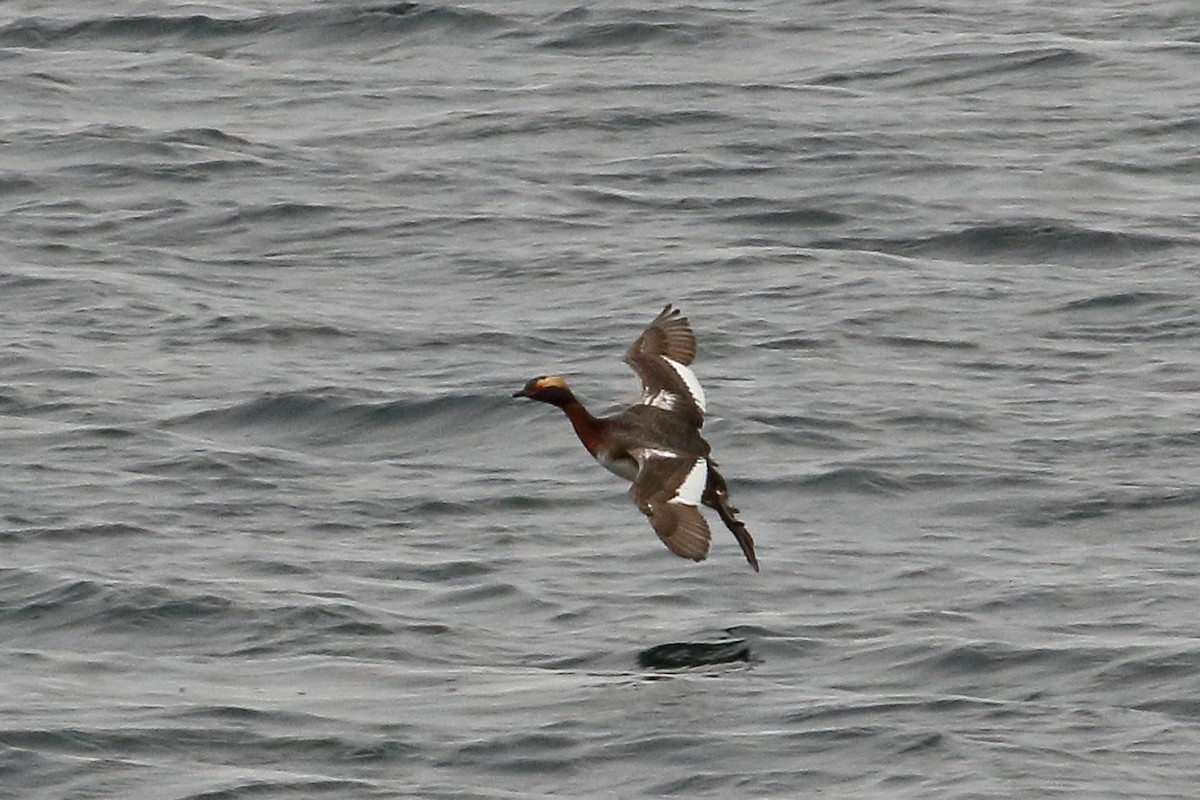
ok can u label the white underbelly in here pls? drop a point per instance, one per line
(626, 468)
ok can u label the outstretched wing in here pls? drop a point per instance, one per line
(668, 489)
(668, 335)
(660, 357)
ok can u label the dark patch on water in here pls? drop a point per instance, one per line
(790, 218)
(683, 655)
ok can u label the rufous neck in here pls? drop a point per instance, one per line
(587, 428)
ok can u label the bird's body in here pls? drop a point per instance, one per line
(656, 443)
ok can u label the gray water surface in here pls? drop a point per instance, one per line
(272, 526)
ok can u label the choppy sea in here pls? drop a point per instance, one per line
(272, 525)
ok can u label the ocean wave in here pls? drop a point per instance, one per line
(1127, 317)
(436, 572)
(17, 183)
(285, 787)
(37, 607)
(926, 342)
(629, 29)
(947, 68)
(797, 217)
(488, 125)
(326, 415)
(1026, 241)
(141, 141)
(857, 480)
(944, 68)
(67, 533)
(202, 31)
(803, 430)
(41, 605)
(942, 420)
(226, 469)
(915, 473)
(120, 154)
(804, 421)
(851, 708)
(631, 34)
(308, 627)
(1106, 301)
(254, 333)
(993, 657)
(847, 479)
(1107, 504)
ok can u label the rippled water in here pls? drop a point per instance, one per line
(272, 525)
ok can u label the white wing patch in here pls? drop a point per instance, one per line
(691, 381)
(692, 488)
(650, 452)
(663, 399)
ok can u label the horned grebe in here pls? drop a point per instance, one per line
(656, 443)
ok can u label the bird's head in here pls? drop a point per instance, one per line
(550, 389)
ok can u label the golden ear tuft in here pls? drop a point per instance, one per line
(551, 382)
